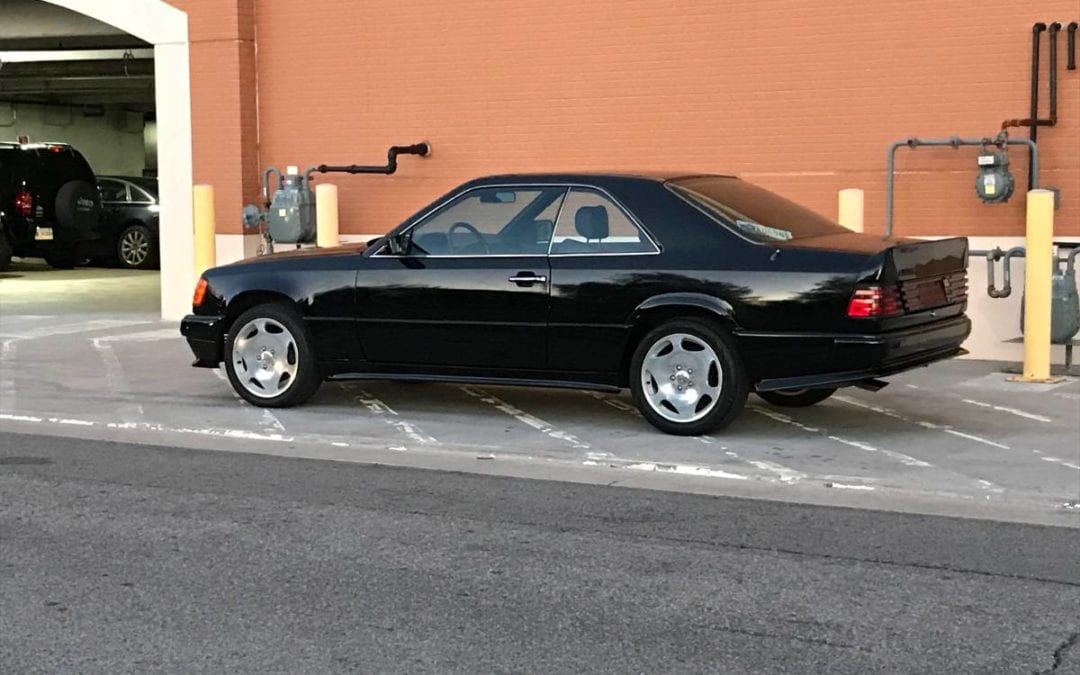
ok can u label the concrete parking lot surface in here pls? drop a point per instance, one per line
(954, 438)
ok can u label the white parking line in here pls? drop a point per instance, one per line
(115, 379)
(622, 406)
(685, 469)
(907, 460)
(7, 374)
(1055, 460)
(524, 417)
(271, 424)
(1011, 411)
(922, 423)
(392, 419)
(785, 474)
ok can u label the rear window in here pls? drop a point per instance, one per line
(753, 212)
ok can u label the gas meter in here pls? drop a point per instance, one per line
(995, 182)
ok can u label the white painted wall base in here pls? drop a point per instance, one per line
(996, 322)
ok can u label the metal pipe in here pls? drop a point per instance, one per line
(954, 142)
(1033, 130)
(266, 184)
(1070, 59)
(991, 257)
(421, 149)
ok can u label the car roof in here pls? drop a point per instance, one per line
(590, 177)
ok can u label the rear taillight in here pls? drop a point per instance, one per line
(874, 301)
(200, 293)
(24, 203)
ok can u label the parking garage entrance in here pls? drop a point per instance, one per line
(100, 181)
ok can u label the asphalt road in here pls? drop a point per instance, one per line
(140, 558)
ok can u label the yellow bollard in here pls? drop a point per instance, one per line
(1039, 268)
(205, 228)
(326, 215)
(851, 209)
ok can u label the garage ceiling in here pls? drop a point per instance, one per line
(52, 55)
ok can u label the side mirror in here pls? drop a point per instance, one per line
(398, 243)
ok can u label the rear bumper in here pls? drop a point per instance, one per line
(204, 336)
(858, 358)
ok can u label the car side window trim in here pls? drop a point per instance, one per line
(380, 252)
(625, 211)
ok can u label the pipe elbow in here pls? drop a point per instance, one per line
(1038, 27)
(1054, 27)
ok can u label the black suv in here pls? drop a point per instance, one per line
(49, 203)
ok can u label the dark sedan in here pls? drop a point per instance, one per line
(130, 225)
(690, 290)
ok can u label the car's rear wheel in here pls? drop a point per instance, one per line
(269, 359)
(687, 378)
(136, 247)
(796, 398)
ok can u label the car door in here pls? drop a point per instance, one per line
(471, 290)
(601, 269)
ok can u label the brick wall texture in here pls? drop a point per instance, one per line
(801, 96)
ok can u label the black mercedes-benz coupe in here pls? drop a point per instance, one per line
(690, 290)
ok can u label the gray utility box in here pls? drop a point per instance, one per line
(291, 218)
(1064, 308)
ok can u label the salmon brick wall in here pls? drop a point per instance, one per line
(801, 96)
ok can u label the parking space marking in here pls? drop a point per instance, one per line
(785, 474)
(922, 423)
(391, 418)
(7, 374)
(524, 417)
(685, 469)
(115, 379)
(1011, 411)
(907, 460)
(622, 406)
(271, 424)
(1056, 460)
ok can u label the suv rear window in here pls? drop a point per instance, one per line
(751, 211)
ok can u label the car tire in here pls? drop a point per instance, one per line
(62, 258)
(6, 250)
(687, 377)
(136, 248)
(796, 398)
(263, 344)
(78, 210)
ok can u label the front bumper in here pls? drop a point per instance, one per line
(867, 357)
(205, 336)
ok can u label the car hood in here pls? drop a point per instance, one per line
(346, 249)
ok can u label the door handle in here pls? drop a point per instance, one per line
(528, 278)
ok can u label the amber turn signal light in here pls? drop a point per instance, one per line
(200, 292)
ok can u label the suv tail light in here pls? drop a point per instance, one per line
(874, 301)
(24, 203)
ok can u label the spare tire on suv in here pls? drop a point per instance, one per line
(78, 209)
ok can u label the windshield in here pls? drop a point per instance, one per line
(753, 212)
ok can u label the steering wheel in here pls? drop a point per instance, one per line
(471, 230)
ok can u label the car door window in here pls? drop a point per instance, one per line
(112, 191)
(490, 221)
(591, 223)
(138, 196)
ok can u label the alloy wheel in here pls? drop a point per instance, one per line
(265, 358)
(681, 377)
(134, 247)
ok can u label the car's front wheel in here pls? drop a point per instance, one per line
(269, 358)
(687, 378)
(796, 398)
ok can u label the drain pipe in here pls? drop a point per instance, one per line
(1071, 46)
(954, 142)
(1033, 122)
